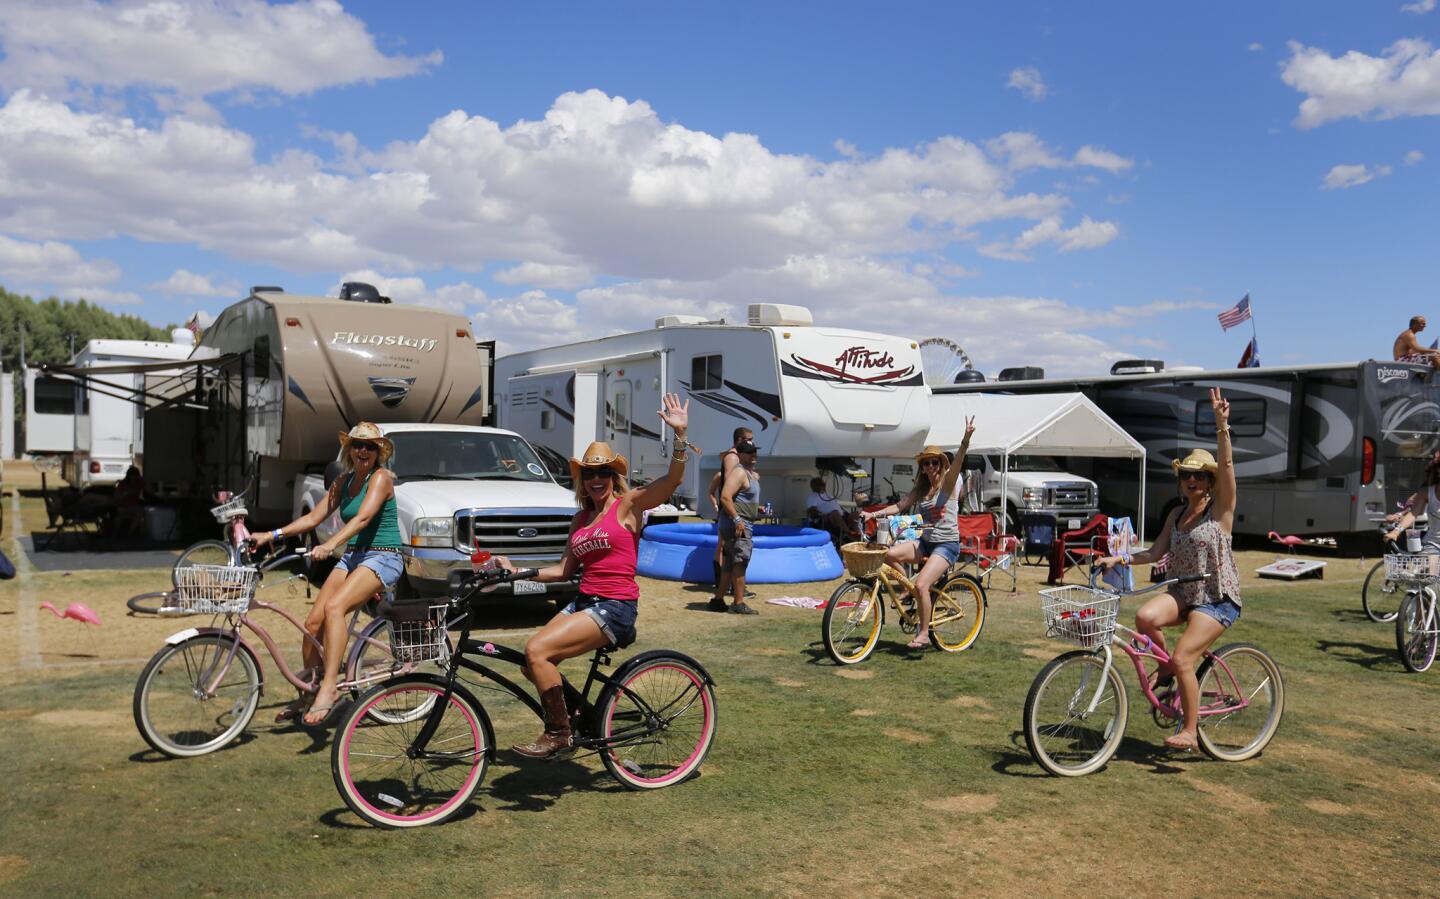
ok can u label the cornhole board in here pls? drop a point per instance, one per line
(1293, 569)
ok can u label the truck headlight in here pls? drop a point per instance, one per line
(1032, 496)
(433, 532)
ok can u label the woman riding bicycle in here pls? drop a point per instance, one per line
(937, 549)
(604, 538)
(1425, 501)
(364, 494)
(1197, 536)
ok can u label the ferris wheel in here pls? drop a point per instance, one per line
(943, 360)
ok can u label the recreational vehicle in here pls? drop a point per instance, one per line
(1320, 450)
(814, 396)
(109, 433)
(49, 415)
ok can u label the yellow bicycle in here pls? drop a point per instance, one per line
(856, 609)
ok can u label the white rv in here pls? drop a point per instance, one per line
(814, 396)
(109, 426)
(49, 415)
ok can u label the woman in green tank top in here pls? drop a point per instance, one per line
(364, 495)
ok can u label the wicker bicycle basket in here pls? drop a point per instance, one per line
(1412, 566)
(215, 589)
(1080, 615)
(229, 509)
(862, 559)
(419, 632)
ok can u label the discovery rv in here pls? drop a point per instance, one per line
(1319, 449)
(814, 397)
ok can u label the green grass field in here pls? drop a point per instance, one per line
(906, 775)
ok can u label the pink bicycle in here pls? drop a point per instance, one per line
(1077, 708)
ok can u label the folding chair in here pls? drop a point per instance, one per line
(67, 518)
(1077, 547)
(986, 549)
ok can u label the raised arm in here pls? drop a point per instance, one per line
(957, 465)
(1223, 500)
(677, 416)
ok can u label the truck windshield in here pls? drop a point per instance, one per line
(1034, 463)
(458, 455)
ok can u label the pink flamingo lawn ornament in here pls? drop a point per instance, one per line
(1291, 540)
(77, 611)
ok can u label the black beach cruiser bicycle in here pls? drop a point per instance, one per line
(652, 722)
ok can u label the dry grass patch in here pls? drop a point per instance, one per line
(1227, 797)
(965, 803)
(908, 736)
(787, 682)
(969, 702)
(864, 713)
(1327, 807)
(854, 673)
(12, 866)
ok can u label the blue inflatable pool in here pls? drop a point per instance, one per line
(783, 554)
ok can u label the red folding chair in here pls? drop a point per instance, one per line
(1078, 547)
(985, 549)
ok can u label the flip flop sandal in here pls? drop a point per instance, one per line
(294, 709)
(327, 710)
(918, 644)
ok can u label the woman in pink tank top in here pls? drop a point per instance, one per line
(604, 537)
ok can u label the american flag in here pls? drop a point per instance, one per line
(1236, 314)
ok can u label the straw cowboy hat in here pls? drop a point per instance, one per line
(1198, 460)
(599, 455)
(368, 431)
(932, 451)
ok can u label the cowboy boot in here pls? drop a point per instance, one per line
(556, 739)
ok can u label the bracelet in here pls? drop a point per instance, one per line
(1224, 430)
(679, 455)
(277, 534)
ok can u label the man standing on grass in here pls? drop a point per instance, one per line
(740, 506)
(728, 460)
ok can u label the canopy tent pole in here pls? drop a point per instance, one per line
(1141, 522)
(1004, 491)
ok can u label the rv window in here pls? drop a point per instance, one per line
(261, 353)
(706, 373)
(622, 411)
(54, 396)
(1247, 418)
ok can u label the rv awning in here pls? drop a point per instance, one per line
(1044, 424)
(165, 383)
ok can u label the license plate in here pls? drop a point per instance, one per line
(528, 586)
(1075, 523)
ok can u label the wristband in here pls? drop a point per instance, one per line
(277, 534)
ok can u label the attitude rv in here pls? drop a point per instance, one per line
(815, 397)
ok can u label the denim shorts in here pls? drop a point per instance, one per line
(388, 566)
(949, 551)
(616, 617)
(1225, 611)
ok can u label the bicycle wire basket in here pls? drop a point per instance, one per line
(229, 509)
(418, 633)
(862, 559)
(215, 589)
(1412, 566)
(1079, 614)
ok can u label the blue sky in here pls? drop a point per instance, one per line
(1058, 184)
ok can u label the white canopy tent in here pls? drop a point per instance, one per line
(1045, 424)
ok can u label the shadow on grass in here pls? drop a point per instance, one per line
(1017, 762)
(343, 819)
(1354, 616)
(151, 756)
(535, 787)
(1375, 658)
(818, 655)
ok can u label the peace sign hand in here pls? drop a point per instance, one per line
(1221, 407)
(969, 427)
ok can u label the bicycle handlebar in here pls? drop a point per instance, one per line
(465, 585)
(1182, 579)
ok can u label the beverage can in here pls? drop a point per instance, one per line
(1412, 540)
(882, 533)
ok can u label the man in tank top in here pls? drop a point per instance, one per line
(739, 507)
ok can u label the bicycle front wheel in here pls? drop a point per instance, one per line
(372, 763)
(1242, 698)
(658, 723)
(1415, 630)
(206, 552)
(957, 613)
(1379, 596)
(1065, 737)
(851, 624)
(195, 697)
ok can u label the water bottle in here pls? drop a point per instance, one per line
(882, 532)
(1412, 540)
(481, 560)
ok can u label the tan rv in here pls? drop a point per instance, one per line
(314, 366)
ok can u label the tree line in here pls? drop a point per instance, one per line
(52, 327)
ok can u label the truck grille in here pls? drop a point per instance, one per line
(1071, 496)
(522, 533)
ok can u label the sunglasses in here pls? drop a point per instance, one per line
(1187, 475)
(928, 462)
(587, 474)
(362, 445)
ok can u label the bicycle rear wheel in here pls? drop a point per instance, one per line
(1415, 630)
(160, 603)
(1379, 596)
(1063, 736)
(372, 659)
(371, 759)
(206, 552)
(175, 711)
(958, 613)
(1245, 705)
(660, 721)
(850, 627)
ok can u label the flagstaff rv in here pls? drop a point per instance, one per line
(1320, 450)
(814, 396)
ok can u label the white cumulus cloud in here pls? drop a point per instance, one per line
(1403, 81)
(1028, 81)
(191, 48)
(1087, 235)
(1341, 177)
(187, 283)
(51, 264)
(1414, 157)
(1419, 8)
(1255, 47)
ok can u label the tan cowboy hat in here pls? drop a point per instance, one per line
(368, 431)
(932, 451)
(1198, 460)
(599, 455)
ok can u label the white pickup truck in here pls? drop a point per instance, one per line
(1035, 484)
(459, 488)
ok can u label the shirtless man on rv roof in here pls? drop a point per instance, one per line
(1408, 348)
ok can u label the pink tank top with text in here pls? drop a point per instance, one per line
(606, 551)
